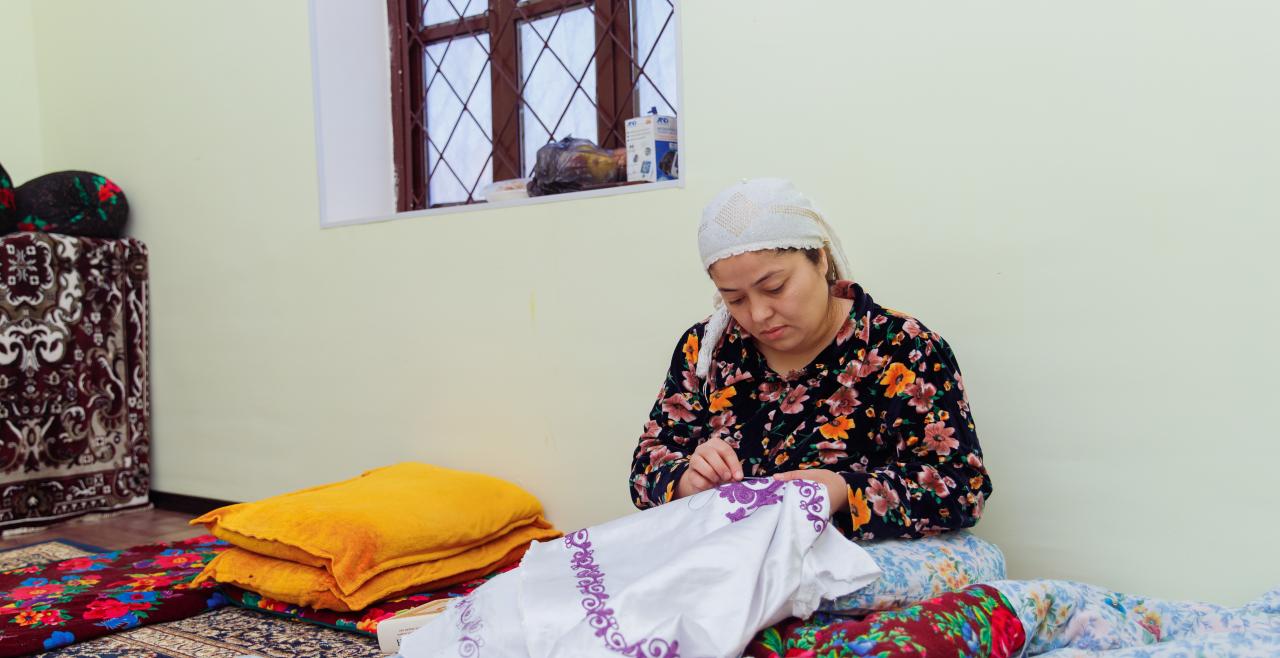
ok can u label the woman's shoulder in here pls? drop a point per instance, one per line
(895, 326)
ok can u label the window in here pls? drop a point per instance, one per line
(479, 85)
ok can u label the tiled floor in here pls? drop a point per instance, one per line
(116, 532)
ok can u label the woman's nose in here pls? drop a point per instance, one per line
(760, 312)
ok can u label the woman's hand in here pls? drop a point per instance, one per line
(837, 490)
(712, 464)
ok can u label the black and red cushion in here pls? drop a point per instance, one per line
(73, 203)
(8, 206)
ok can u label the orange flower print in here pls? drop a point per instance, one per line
(858, 508)
(720, 399)
(837, 428)
(272, 605)
(691, 349)
(368, 625)
(40, 618)
(896, 379)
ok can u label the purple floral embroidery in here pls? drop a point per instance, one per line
(743, 493)
(811, 503)
(469, 626)
(601, 617)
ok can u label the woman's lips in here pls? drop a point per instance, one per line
(773, 333)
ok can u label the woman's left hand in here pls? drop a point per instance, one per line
(837, 490)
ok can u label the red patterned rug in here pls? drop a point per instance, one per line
(50, 605)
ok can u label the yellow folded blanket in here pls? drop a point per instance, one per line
(397, 516)
(314, 587)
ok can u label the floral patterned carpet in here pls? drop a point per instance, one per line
(40, 608)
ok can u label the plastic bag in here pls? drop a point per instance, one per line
(571, 165)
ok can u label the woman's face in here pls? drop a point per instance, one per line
(781, 298)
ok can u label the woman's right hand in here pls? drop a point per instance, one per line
(712, 464)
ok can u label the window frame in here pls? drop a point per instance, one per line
(617, 98)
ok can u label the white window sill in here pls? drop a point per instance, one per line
(512, 203)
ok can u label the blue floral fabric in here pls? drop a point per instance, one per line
(920, 569)
(1065, 619)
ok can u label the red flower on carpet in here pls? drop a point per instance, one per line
(140, 582)
(39, 618)
(111, 608)
(369, 624)
(41, 591)
(272, 605)
(83, 564)
(175, 558)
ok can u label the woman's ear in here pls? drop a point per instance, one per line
(826, 265)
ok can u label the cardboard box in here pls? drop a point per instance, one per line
(394, 629)
(652, 150)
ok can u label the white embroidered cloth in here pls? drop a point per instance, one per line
(694, 578)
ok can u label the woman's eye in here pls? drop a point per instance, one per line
(733, 302)
(775, 291)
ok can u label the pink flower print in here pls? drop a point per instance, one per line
(641, 486)
(939, 438)
(846, 331)
(882, 497)
(660, 455)
(677, 408)
(871, 363)
(921, 393)
(690, 381)
(858, 369)
(914, 356)
(651, 429)
(831, 452)
(843, 402)
(722, 424)
(738, 375)
(911, 327)
(769, 391)
(931, 480)
(864, 328)
(794, 402)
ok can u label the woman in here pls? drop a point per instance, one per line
(801, 375)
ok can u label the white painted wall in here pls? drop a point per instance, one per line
(1082, 197)
(21, 150)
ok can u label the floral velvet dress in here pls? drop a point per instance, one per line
(883, 405)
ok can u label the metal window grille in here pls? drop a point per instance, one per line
(479, 85)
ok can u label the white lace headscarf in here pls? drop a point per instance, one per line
(759, 215)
